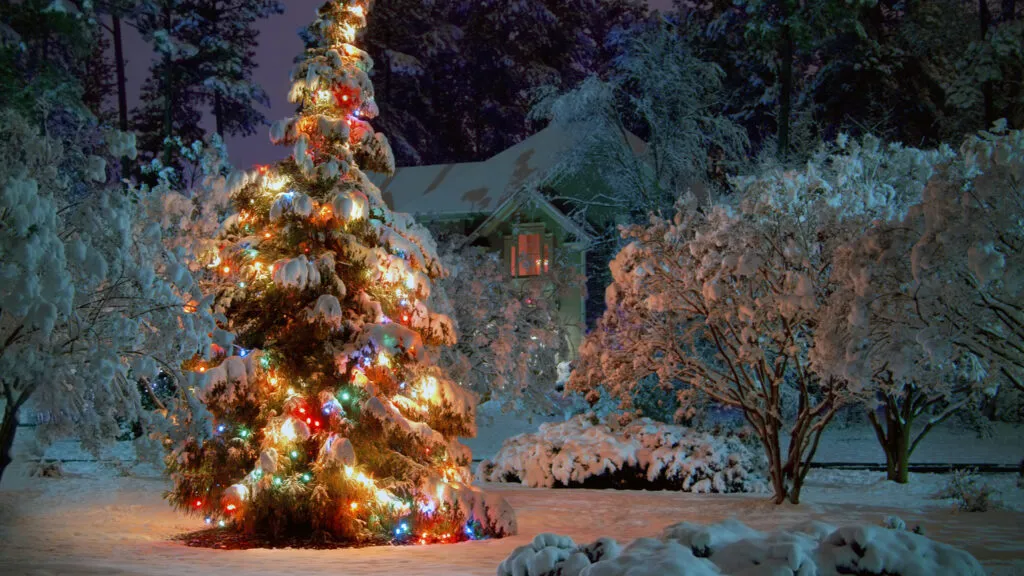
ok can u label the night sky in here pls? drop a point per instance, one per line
(278, 45)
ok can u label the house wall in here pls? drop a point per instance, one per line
(529, 220)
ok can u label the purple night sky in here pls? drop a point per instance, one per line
(278, 45)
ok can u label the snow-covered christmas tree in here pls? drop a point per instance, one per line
(328, 417)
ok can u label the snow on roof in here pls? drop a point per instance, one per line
(476, 187)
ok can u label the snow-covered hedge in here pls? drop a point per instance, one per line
(730, 547)
(641, 455)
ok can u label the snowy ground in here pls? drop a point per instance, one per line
(94, 522)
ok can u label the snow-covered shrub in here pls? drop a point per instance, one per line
(512, 336)
(971, 496)
(733, 548)
(643, 454)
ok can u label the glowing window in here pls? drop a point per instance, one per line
(529, 256)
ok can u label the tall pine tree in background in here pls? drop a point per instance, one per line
(204, 61)
(415, 46)
(460, 77)
(226, 42)
(329, 417)
(169, 107)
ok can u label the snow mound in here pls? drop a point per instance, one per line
(730, 547)
(643, 454)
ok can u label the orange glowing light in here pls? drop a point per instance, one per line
(231, 508)
(354, 505)
(226, 269)
(199, 503)
(202, 369)
(266, 234)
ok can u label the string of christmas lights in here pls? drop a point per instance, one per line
(328, 416)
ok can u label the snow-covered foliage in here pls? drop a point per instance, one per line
(92, 300)
(730, 547)
(928, 309)
(660, 85)
(641, 455)
(511, 334)
(726, 300)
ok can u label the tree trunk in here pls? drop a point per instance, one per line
(786, 83)
(985, 20)
(122, 90)
(8, 428)
(218, 114)
(895, 437)
(168, 127)
(897, 449)
(122, 95)
(1009, 14)
(776, 469)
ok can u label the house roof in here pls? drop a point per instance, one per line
(477, 187)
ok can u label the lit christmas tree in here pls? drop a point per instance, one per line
(328, 418)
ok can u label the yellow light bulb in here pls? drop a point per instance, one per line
(323, 96)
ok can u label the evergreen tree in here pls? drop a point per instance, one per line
(988, 78)
(169, 110)
(415, 46)
(331, 419)
(226, 40)
(887, 74)
(459, 77)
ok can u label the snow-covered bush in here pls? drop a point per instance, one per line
(731, 547)
(512, 336)
(969, 493)
(641, 455)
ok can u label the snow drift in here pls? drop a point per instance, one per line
(643, 454)
(730, 547)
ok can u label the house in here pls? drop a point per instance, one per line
(505, 203)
